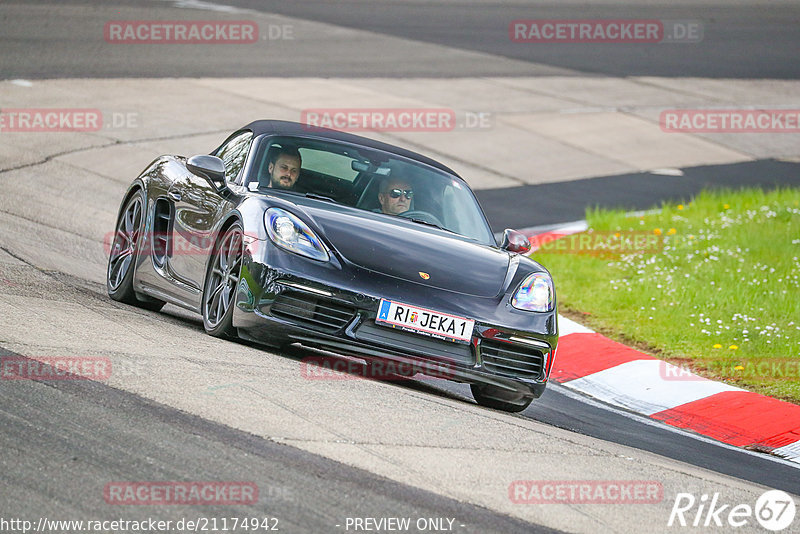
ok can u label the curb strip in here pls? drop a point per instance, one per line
(597, 366)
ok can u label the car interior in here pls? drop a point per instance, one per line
(353, 176)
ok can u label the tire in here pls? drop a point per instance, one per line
(500, 399)
(124, 252)
(222, 281)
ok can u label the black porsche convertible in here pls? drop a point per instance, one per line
(290, 234)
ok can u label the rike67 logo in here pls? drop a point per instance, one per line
(774, 510)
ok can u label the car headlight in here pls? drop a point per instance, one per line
(288, 231)
(535, 294)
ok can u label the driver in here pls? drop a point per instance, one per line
(395, 196)
(284, 167)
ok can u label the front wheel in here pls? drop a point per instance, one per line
(222, 281)
(500, 399)
(123, 255)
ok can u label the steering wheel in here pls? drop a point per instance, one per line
(423, 216)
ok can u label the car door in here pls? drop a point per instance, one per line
(197, 208)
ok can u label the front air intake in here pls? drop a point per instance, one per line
(312, 310)
(514, 360)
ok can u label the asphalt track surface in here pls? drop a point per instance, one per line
(547, 204)
(100, 433)
(739, 41)
(571, 412)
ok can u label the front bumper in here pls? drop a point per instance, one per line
(335, 310)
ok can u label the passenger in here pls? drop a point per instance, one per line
(395, 196)
(284, 167)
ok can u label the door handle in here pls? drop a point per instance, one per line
(174, 195)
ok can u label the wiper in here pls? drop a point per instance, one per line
(428, 223)
(315, 196)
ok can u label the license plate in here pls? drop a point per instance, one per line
(423, 321)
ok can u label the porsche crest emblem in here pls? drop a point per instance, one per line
(424, 276)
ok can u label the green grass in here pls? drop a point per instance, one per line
(721, 297)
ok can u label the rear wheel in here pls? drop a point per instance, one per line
(221, 283)
(124, 252)
(500, 399)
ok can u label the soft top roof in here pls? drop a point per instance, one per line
(296, 129)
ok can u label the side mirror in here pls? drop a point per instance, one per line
(209, 167)
(514, 241)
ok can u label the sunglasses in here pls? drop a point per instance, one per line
(397, 193)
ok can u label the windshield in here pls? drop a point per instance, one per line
(368, 179)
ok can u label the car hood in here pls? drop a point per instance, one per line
(409, 251)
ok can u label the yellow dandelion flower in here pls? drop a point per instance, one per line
(680, 206)
(725, 206)
(733, 347)
(739, 368)
(717, 346)
(657, 231)
(671, 231)
(691, 236)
